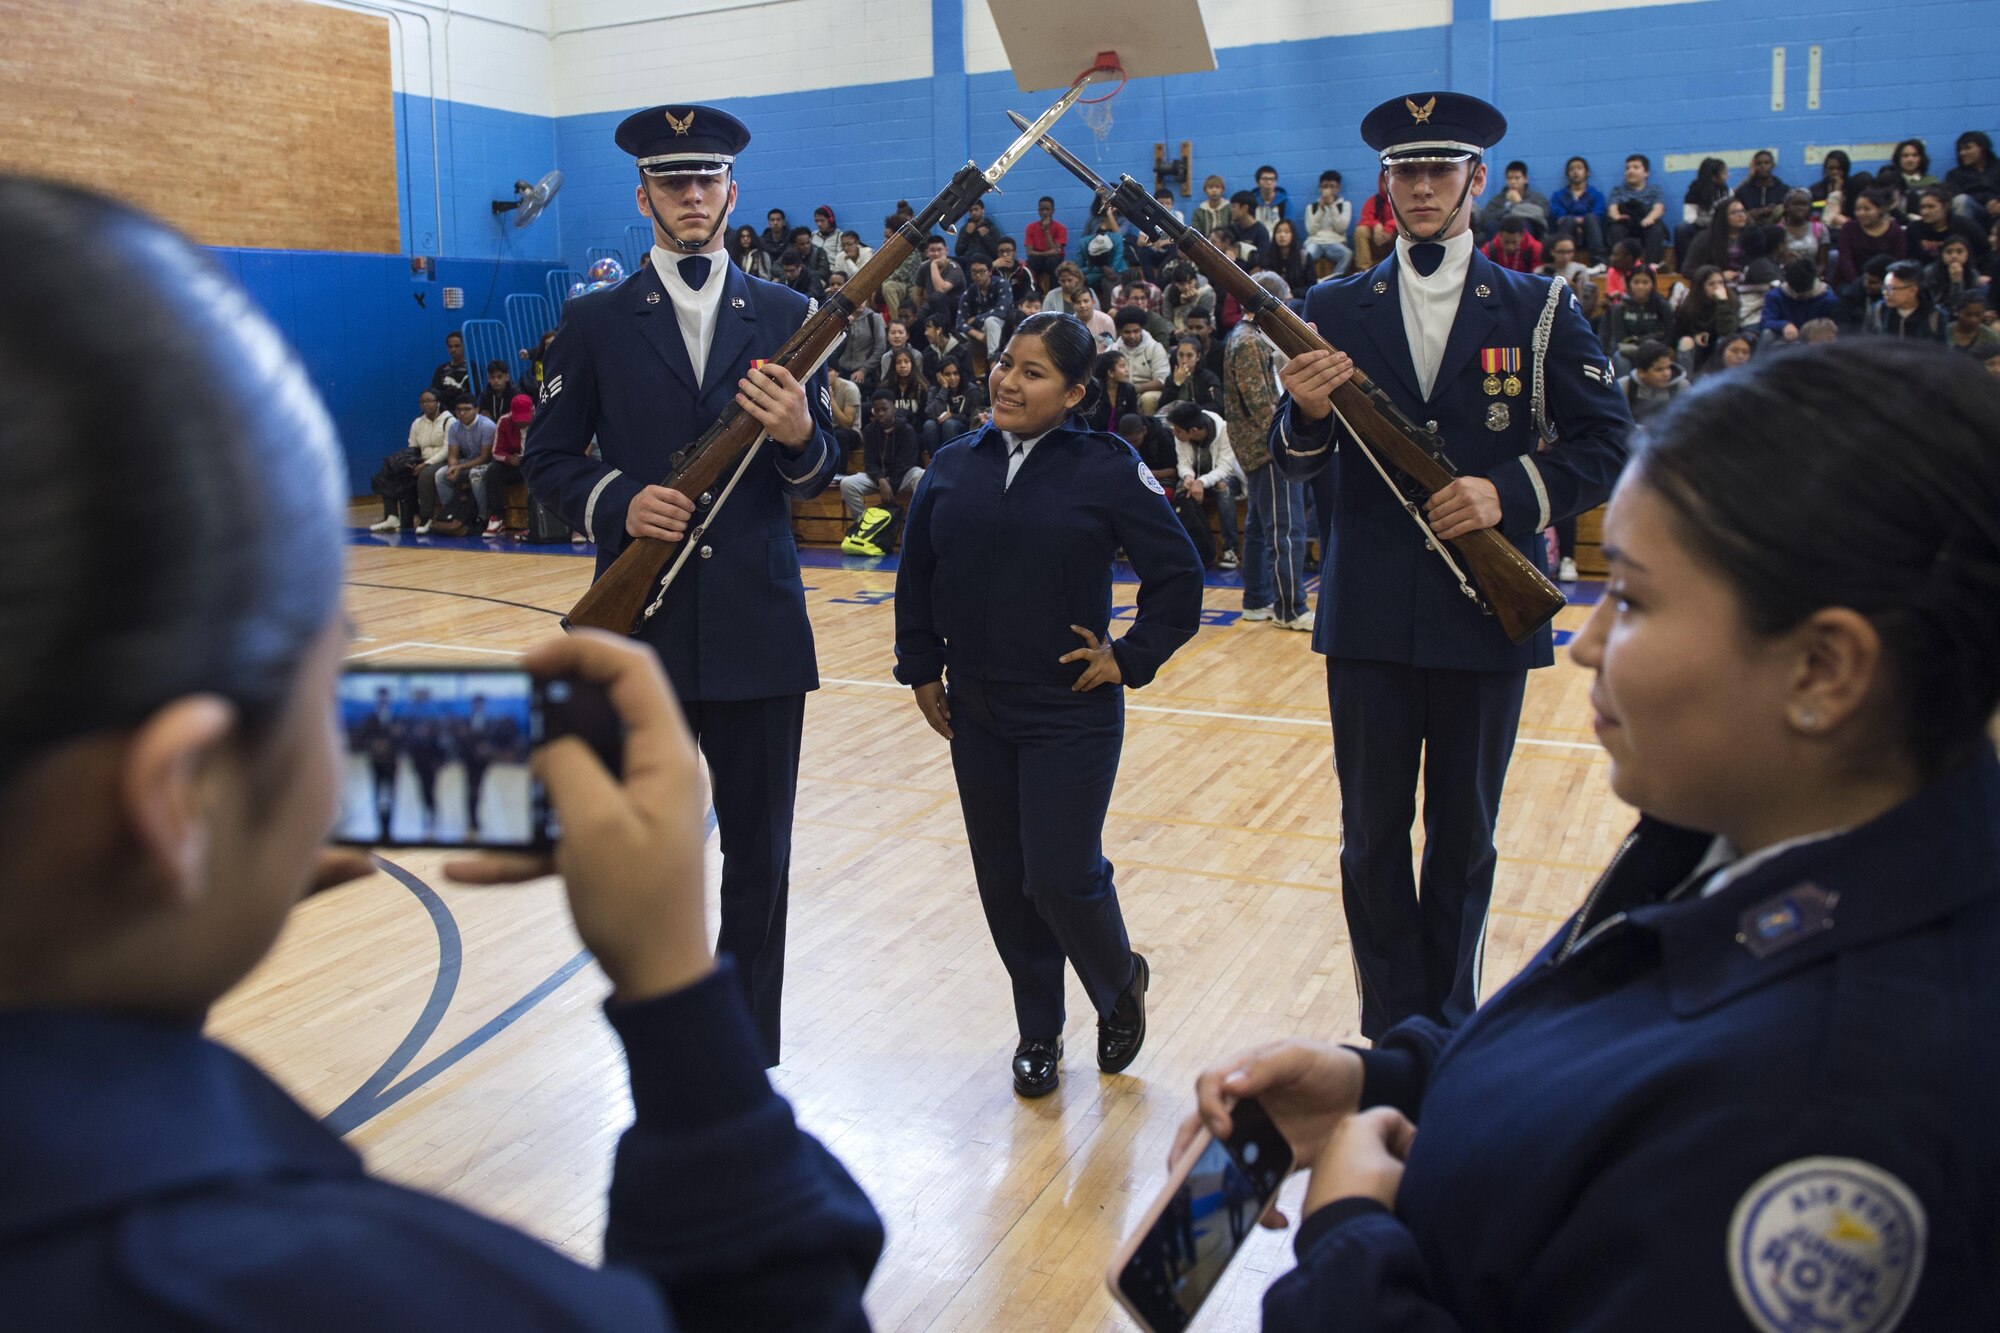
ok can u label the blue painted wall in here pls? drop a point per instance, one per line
(368, 345)
(1659, 79)
(484, 152)
(1663, 79)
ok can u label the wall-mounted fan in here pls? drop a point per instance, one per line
(529, 200)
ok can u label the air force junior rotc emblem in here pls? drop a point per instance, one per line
(1828, 1244)
(1420, 114)
(679, 124)
(1152, 482)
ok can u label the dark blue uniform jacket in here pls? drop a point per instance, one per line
(1383, 597)
(1651, 1114)
(156, 1180)
(734, 623)
(993, 576)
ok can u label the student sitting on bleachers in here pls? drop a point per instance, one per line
(491, 482)
(398, 480)
(468, 445)
(1801, 299)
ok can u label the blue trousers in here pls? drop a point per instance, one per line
(1035, 765)
(1418, 945)
(1274, 544)
(752, 748)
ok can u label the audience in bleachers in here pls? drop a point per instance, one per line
(1896, 253)
(491, 481)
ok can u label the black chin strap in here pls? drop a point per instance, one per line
(696, 247)
(1403, 228)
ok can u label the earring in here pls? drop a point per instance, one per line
(1807, 719)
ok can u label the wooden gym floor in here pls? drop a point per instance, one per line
(455, 1035)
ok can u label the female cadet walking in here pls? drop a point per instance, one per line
(1006, 583)
(1750, 1083)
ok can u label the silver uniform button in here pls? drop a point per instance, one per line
(707, 498)
(707, 551)
(1431, 426)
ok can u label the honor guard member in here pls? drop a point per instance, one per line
(1005, 585)
(1505, 369)
(644, 368)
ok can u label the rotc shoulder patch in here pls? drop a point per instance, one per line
(1152, 482)
(1830, 1244)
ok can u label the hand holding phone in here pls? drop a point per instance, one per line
(1306, 1088)
(631, 854)
(1213, 1197)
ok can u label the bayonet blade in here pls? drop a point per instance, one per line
(1038, 133)
(1032, 133)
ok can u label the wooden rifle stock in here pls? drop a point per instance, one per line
(1510, 588)
(618, 601)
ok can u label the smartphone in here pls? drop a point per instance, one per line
(1212, 1199)
(438, 756)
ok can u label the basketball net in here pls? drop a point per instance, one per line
(1096, 111)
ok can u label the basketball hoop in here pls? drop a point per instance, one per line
(1096, 111)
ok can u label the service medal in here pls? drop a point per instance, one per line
(1513, 386)
(1497, 416)
(1492, 386)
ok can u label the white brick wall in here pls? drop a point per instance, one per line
(493, 53)
(730, 50)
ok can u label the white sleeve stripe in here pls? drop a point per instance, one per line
(1285, 431)
(590, 505)
(1541, 491)
(818, 458)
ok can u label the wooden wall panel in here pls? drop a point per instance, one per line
(267, 123)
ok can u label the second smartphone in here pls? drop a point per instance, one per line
(438, 756)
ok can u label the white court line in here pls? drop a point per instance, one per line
(1232, 717)
(461, 648)
(370, 652)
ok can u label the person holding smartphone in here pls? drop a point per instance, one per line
(1749, 1083)
(1005, 584)
(170, 771)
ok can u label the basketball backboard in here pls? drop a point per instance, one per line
(1049, 43)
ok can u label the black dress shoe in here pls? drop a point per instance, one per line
(1037, 1066)
(1122, 1032)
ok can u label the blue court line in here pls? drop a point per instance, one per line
(367, 1101)
(381, 1091)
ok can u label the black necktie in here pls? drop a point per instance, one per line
(694, 270)
(1425, 256)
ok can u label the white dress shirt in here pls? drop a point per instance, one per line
(696, 310)
(1017, 452)
(1430, 305)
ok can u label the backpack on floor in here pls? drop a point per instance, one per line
(545, 526)
(869, 534)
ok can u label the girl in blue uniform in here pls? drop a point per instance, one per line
(1005, 583)
(1751, 1083)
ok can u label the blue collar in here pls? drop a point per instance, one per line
(103, 1111)
(1927, 859)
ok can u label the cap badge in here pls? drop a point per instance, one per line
(1420, 114)
(680, 124)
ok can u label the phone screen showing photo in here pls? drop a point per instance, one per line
(1183, 1255)
(440, 759)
